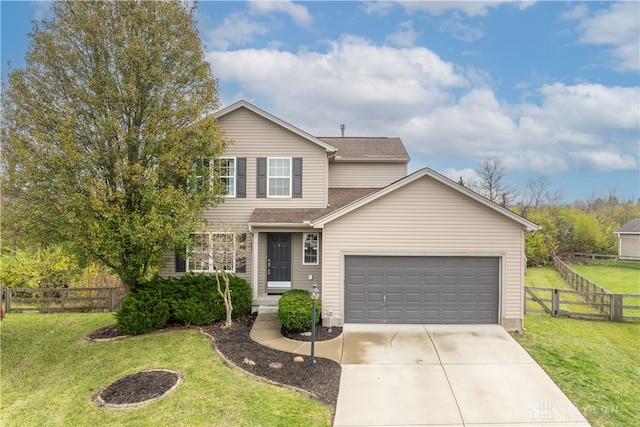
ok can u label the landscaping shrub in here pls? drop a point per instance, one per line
(294, 310)
(142, 312)
(191, 299)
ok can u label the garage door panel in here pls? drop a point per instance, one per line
(421, 289)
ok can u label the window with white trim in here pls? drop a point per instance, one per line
(212, 251)
(203, 173)
(279, 177)
(227, 170)
(311, 243)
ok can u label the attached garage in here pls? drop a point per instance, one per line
(422, 289)
(423, 250)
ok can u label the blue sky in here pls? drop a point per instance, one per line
(550, 88)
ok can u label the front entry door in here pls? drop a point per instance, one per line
(279, 261)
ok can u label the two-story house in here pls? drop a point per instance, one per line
(383, 246)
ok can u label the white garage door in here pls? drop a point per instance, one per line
(417, 289)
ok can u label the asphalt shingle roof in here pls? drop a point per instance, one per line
(632, 226)
(338, 197)
(368, 149)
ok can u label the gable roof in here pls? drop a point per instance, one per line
(368, 149)
(244, 104)
(413, 177)
(632, 227)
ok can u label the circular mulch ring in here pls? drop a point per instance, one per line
(139, 389)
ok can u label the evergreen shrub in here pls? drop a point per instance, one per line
(191, 299)
(294, 310)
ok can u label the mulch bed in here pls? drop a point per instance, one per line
(140, 387)
(320, 381)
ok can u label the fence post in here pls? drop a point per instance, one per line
(555, 303)
(8, 297)
(615, 312)
(112, 297)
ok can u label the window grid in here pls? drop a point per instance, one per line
(279, 176)
(227, 171)
(203, 173)
(209, 249)
(310, 248)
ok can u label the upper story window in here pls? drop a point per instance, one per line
(310, 247)
(204, 172)
(227, 169)
(279, 176)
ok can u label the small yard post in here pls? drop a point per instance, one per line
(615, 313)
(315, 293)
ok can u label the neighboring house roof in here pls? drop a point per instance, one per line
(632, 227)
(338, 197)
(244, 104)
(437, 177)
(368, 149)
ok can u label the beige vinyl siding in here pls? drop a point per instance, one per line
(299, 272)
(630, 246)
(364, 175)
(425, 218)
(255, 137)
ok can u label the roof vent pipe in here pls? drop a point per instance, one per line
(342, 130)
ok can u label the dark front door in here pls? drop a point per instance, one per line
(279, 261)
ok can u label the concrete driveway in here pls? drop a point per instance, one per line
(445, 375)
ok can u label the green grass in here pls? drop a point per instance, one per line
(596, 364)
(49, 374)
(618, 280)
(548, 277)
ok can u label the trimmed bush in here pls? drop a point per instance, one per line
(294, 310)
(191, 299)
(142, 312)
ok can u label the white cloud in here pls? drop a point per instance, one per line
(469, 176)
(300, 14)
(378, 8)
(470, 8)
(437, 108)
(460, 30)
(405, 36)
(617, 27)
(236, 29)
(353, 76)
(606, 160)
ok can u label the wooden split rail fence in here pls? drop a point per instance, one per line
(61, 299)
(586, 300)
(583, 304)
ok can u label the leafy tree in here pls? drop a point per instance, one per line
(47, 268)
(101, 129)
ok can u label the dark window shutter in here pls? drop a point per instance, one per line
(241, 177)
(297, 177)
(241, 262)
(181, 264)
(261, 185)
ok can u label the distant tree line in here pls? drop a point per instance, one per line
(584, 226)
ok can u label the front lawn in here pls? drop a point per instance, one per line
(596, 364)
(50, 372)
